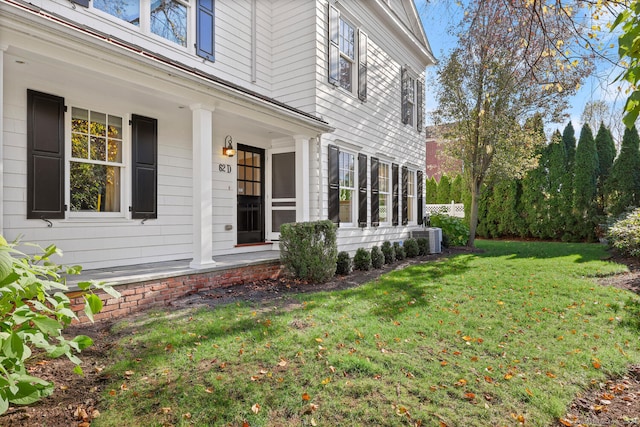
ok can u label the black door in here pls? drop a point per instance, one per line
(250, 195)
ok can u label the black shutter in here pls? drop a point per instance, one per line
(362, 190)
(205, 29)
(45, 156)
(375, 192)
(362, 65)
(334, 184)
(144, 147)
(395, 195)
(405, 193)
(420, 198)
(404, 86)
(334, 47)
(83, 3)
(420, 100)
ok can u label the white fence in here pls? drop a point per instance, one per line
(453, 209)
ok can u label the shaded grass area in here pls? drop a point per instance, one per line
(491, 338)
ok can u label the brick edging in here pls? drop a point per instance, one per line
(139, 296)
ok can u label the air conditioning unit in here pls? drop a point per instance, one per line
(433, 234)
(435, 240)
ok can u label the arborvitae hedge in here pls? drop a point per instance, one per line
(456, 189)
(606, 155)
(623, 184)
(431, 191)
(444, 190)
(585, 179)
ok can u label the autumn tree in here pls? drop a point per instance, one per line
(501, 73)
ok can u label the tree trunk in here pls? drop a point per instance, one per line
(473, 220)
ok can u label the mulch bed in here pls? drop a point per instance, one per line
(76, 400)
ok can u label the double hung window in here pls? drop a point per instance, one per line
(96, 163)
(347, 187)
(384, 192)
(411, 197)
(165, 18)
(412, 99)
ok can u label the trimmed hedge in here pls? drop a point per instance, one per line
(344, 264)
(362, 260)
(308, 250)
(377, 257)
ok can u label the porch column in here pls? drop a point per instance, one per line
(302, 178)
(3, 48)
(202, 121)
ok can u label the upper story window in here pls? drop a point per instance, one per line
(170, 19)
(347, 54)
(165, 18)
(412, 99)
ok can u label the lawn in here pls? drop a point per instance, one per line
(501, 337)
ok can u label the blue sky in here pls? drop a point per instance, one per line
(439, 15)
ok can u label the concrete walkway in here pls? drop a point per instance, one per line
(162, 270)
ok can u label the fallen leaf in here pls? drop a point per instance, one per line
(208, 390)
(255, 408)
(596, 364)
(305, 396)
(508, 376)
(318, 339)
(245, 424)
(187, 416)
(326, 381)
(282, 363)
(529, 392)
(566, 422)
(551, 375)
(461, 382)
(469, 396)
(165, 410)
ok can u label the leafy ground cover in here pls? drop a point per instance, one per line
(506, 336)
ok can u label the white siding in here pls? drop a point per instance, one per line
(293, 52)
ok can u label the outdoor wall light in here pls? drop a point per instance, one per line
(228, 150)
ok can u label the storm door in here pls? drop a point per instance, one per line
(283, 191)
(250, 195)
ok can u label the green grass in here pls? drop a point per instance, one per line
(474, 340)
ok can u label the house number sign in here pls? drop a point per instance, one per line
(224, 168)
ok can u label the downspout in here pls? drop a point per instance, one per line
(320, 177)
(3, 48)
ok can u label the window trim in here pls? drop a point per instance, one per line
(359, 62)
(412, 196)
(354, 190)
(125, 183)
(145, 24)
(387, 193)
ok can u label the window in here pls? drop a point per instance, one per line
(96, 164)
(347, 183)
(411, 197)
(412, 99)
(347, 54)
(384, 192)
(165, 18)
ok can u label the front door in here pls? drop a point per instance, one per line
(250, 195)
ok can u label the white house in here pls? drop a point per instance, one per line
(139, 131)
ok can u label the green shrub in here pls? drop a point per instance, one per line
(377, 257)
(411, 248)
(423, 246)
(34, 309)
(624, 234)
(399, 250)
(388, 252)
(362, 260)
(344, 264)
(455, 229)
(308, 250)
